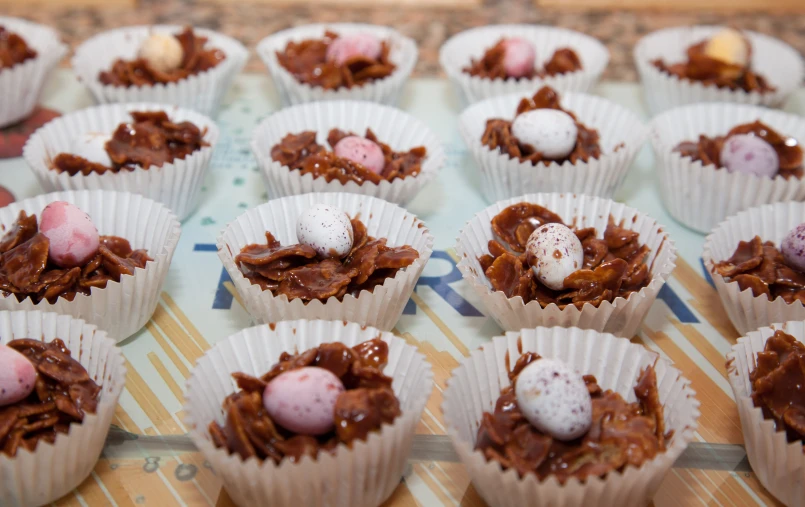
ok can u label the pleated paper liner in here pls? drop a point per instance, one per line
(502, 177)
(622, 317)
(202, 92)
(773, 59)
(778, 465)
(53, 470)
(176, 184)
(771, 222)
(122, 308)
(365, 474)
(459, 50)
(475, 385)
(392, 126)
(701, 196)
(403, 53)
(380, 308)
(22, 83)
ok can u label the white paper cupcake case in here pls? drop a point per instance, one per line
(403, 53)
(122, 308)
(392, 126)
(475, 385)
(503, 177)
(771, 222)
(176, 184)
(459, 50)
(53, 470)
(21, 84)
(778, 62)
(201, 92)
(380, 308)
(621, 317)
(779, 465)
(700, 196)
(364, 475)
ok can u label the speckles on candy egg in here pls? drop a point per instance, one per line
(793, 248)
(17, 376)
(73, 237)
(744, 153)
(326, 229)
(554, 252)
(549, 131)
(361, 151)
(303, 400)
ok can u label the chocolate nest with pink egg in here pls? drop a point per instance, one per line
(362, 405)
(13, 49)
(491, 64)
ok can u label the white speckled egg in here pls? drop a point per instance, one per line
(92, 146)
(554, 399)
(549, 131)
(554, 252)
(326, 229)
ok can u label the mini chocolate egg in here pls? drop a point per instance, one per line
(163, 52)
(793, 248)
(17, 376)
(554, 252)
(361, 151)
(549, 131)
(728, 46)
(92, 146)
(74, 239)
(519, 57)
(303, 400)
(326, 229)
(745, 153)
(554, 399)
(346, 47)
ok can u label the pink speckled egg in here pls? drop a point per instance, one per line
(346, 47)
(361, 151)
(793, 248)
(17, 376)
(744, 153)
(73, 237)
(303, 400)
(519, 57)
(554, 252)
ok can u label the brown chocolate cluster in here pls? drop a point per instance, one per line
(498, 133)
(301, 152)
(26, 271)
(13, 49)
(307, 61)
(761, 267)
(196, 59)
(490, 66)
(614, 266)
(366, 404)
(778, 384)
(63, 393)
(622, 433)
(707, 150)
(151, 139)
(298, 273)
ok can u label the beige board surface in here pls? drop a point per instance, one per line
(681, 5)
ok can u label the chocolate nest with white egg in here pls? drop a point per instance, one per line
(13, 49)
(515, 57)
(335, 256)
(537, 257)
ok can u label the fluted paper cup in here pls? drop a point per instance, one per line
(700, 196)
(380, 308)
(403, 54)
(621, 317)
(176, 184)
(53, 470)
(779, 465)
(22, 84)
(202, 92)
(364, 474)
(771, 222)
(392, 126)
(122, 308)
(778, 62)
(475, 386)
(462, 48)
(622, 135)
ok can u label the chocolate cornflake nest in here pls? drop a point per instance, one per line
(301, 152)
(367, 403)
(614, 266)
(761, 267)
(62, 395)
(296, 272)
(26, 271)
(490, 66)
(151, 139)
(197, 58)
(307, 62)
(622, 433)
(707, 150)
(498, 133)
(13, 49)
